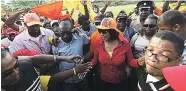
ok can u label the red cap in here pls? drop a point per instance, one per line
(25, 52)
(176, 77)
(9, 31)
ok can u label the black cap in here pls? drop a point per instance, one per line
(144, 3)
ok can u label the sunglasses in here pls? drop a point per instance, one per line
(102, 31)
(149, 25)
(7, 73)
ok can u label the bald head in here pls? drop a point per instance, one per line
(173, 20)
(65, 25)
(172, 17)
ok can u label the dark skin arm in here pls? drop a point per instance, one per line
(105, 7)
(86, 8)
(61, 76)
(178, 5)
(10, 22)
(45, 59)
(165, 6)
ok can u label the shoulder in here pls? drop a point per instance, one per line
(21, 36)
(46, 31)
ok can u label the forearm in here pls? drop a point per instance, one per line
(61, 76)
(44, 59)
(178, 5)
(165, 6)
(104, 9)
(86, 10)
(10, 21)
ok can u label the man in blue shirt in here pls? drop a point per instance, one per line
(128, 31)
(70, 43)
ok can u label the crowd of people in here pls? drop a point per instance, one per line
(108, 54)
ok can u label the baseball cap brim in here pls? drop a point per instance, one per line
(102, 27)
(33, 23)
(175, 76)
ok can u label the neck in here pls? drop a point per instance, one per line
(159, 77)
(148, 37)
(111, 41)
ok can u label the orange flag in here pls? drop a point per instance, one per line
(51, 10)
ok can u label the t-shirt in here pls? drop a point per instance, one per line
(139, 46)
(29, 79)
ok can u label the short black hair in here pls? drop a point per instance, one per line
(122, 11)
(113, 34)
(151, 16)
(82, 18)
(172, 37)
(172, 17)
(44, 25)
(110, 13)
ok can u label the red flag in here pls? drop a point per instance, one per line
(51, 10)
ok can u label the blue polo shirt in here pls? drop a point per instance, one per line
(75, 47)
(129, 32)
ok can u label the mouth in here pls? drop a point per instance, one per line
(152, 67)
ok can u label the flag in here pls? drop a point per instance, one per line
(51, 10)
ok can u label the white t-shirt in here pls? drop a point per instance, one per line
(140, 45)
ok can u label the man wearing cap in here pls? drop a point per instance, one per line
(11, 35)
(144, 9)
(54, 24)
(121, 20)
(32, 37)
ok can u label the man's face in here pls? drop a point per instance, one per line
(86, 25)
(34, 30)
(121, 21)
(9, 70)
(11, 36)
(48, 26)
(157, 55)
(144, 12)
(108, 14)
(150, 27)
(65, 31)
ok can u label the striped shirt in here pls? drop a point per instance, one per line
(40, 43)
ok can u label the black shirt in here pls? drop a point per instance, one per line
(146, 87)
(29, 79)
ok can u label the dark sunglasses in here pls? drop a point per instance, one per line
(7, 73)
(149, 25)
(102, 31)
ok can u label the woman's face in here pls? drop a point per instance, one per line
(150, 27)
(104, 35)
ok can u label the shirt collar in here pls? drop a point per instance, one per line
(151, 79)
(74, 37)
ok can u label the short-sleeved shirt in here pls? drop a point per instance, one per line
(25, 41)
(29, 79)
(89, 33)
(139, 46)
(129, 32)
(75, 47)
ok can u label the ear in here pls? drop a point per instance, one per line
(180, 59)
(176, 27)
